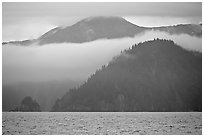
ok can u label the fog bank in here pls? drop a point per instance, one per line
(73, 61)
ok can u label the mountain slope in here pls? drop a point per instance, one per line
(189, 29)
(94, 28)
(156, 75)
(91, 29)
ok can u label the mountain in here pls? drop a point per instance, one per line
(156, 75)
(189, 29)
(91, 29)
(28, 105)
(94, 28)
(45, 93)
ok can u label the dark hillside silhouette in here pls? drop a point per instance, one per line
(28, 105)
(157, 75)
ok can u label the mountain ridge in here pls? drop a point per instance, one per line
(102, 27)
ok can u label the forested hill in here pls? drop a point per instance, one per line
(156, 75)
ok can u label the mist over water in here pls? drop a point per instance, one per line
(74, 61)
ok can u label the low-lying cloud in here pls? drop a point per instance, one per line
(74, 61)
(184, 40)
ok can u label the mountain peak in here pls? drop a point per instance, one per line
(102, 20)
(92, 18)
(103, 27)
(92, 28)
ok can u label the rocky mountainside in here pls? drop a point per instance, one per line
(156, 75)
(94, 28)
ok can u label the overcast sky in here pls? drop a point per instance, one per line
(29, 20)
(76, 61)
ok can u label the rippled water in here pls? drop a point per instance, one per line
(112, 123)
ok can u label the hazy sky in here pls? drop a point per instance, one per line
(30, 20)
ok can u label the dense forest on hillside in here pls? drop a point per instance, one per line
(156, 75)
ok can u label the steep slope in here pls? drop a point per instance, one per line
(94, 28)
(156, 75)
